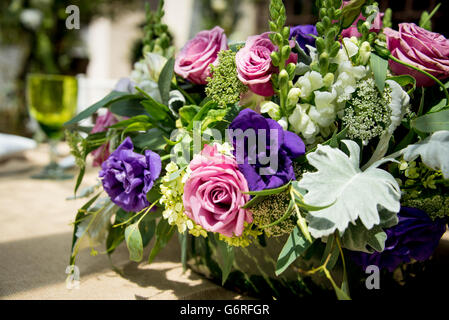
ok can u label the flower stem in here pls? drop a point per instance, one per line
(423, 72)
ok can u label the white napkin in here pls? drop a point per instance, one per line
(11, 145)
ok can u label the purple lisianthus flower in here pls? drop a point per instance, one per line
(416, 236)
(127, 176)
(265, 163)
(303, 33)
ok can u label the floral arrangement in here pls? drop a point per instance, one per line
(332, 136)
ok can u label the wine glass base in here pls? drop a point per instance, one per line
(52, 172)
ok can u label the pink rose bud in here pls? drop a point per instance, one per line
(419, 47)
(213, 193)
(254, 65)
(194, 60)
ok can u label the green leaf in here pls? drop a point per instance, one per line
(268, 192)
(351, 12)
(127, 107)
(332, 249)
(341, 295)
(147, 228)
(115, 237)
(164, 232)
(112, 97)
(379, 67)
(440, 106)
(134, 242)
(183, 244)
(432, 122)
(79, 179)
(202, 113)
(236, 46)
(80, 216)
(296, 244)
(227, 256)
(153, 140)
(255, 200)
(355, 193)
(434, 152)
(127, 122)
(165, 79)
(404, 81)
(187, 113)
(155, 109)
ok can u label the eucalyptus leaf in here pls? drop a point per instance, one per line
(134, 242)
(434, 152)
(379, 67)
(355, 193)
(295, 246)
(432, 122)
(404, 81)
(127, 107)
(442, 105)
(153, 140)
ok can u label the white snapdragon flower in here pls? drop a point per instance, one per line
(309, 83)
(324, 111)
(302, 124)
(273, 109)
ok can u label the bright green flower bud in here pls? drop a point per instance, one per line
(273, 26)
(286, 32)
(320, 46)
(275, 58)
(283, 78)
(285, 52)
(328, 79)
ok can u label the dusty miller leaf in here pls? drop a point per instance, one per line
(357, 194)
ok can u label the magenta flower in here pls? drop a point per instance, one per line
(254, 66)
(424, 49)
(103, 122)
(213, 193)
(199, 53)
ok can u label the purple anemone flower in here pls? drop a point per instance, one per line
(416, 236)
(127, 176)
(266, 162)
(303, 35)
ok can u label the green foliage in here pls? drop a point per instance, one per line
(134, 242)
(432, 122)
(157, 38)
(355, 194)
(110, 99)
(165, 78)
(227, 256)
(296, 245)
(426, 18)
(379, 67)
(434, 151)
(164, 232)
(224, 86)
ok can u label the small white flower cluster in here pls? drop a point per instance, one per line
(322, 99)
(172, 189)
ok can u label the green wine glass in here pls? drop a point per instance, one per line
(52, 101)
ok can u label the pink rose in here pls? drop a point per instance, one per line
(353, 32)
(199, 53)
(426, 50)
(103, 122)
(213, 193)
(254, 64)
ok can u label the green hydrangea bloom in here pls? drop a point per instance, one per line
(224, 86)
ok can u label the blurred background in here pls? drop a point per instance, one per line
(34, 39)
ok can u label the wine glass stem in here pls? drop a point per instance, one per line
(53, 152)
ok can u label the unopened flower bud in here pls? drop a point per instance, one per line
(275, 58)
(285, 52)
(364, 53)
(328, 79)
(293, 97)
